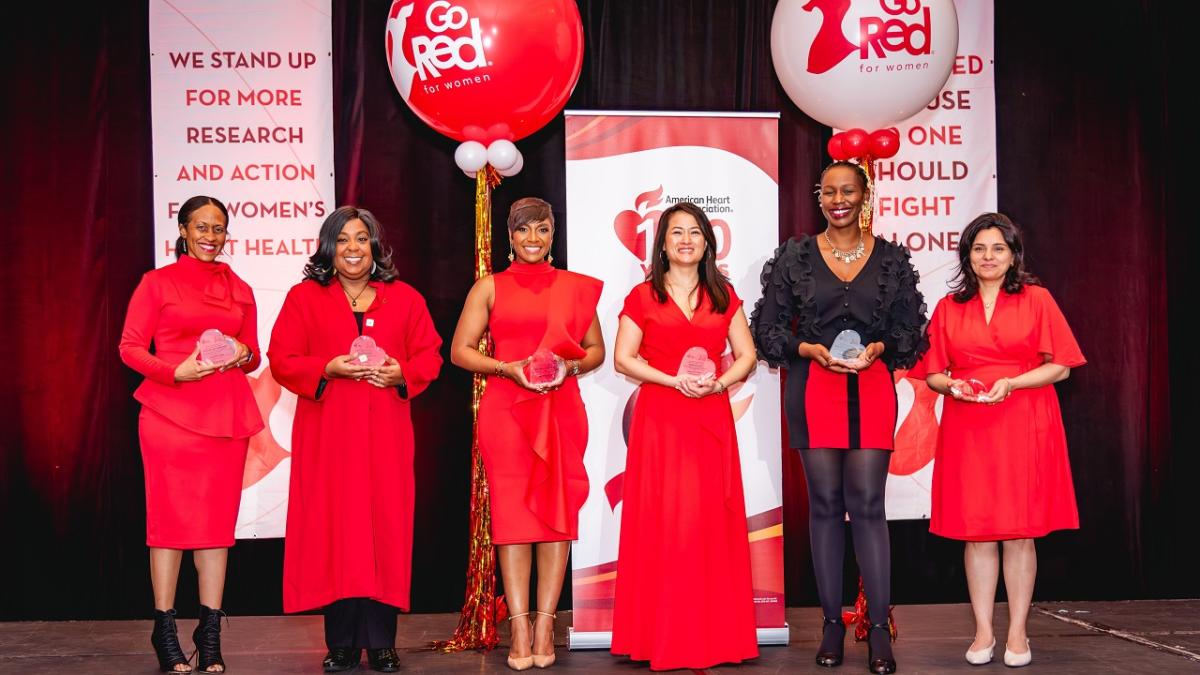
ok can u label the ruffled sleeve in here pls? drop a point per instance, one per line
(786, 314)
(900, 309)
(1053, 335)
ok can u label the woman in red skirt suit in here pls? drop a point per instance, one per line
(196, 421)
(1001, 471)
(684, 597)
(532, 436)
(841, 414)
(350, 505)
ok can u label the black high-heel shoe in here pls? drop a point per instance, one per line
(383, 660)
(207, 638)
(831, 657)
(165, 640)
(884, 665)
(340, 659)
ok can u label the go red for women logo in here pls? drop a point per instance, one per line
(905, 25)
(443, 40)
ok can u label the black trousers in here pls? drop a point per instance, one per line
(360, 623)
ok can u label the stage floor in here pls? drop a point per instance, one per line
(1158, 637)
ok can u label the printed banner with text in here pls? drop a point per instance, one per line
(242, 103)
(943, 176)
(623, 169)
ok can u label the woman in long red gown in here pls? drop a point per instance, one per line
(350, 505)
(196, 421)
(532, 435)
(998, 343)
(684, 597)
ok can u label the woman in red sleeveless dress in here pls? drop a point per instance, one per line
(1001, 472)
(684, 597)
(196, 421)
(532, 434)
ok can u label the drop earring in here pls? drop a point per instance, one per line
(511, 257)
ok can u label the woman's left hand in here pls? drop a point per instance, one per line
(241, 355)
(693, 388)
(387, 375)
(1000, 391)
(863, 360)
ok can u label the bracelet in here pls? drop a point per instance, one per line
(573, 367)
(721, 385)
(499, 370)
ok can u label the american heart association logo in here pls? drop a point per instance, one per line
(635, 227)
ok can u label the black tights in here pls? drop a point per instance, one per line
(841, 482)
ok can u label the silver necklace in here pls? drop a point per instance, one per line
(847, 256)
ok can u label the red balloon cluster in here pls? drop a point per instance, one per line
(484, 70)
(857, 143)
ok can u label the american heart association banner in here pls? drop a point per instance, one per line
(241, 98)
(622, 170)
(943, 176)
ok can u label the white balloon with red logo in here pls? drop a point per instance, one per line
(484, 70)
(863, 63)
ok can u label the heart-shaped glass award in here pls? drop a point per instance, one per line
(847, 346)
(544, 367)
(216, 348)
(696, 365)
(366, 352)
(972, 390)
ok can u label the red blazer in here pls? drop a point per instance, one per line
(350, 506)
(170, 308)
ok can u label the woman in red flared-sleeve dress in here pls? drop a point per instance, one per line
(684, 597)
(532, 436)
(1001, 472)
(350, 505)
(196, 421)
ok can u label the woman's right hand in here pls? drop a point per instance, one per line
(193, 368)
(346, 367)
(515, 371)
(820, 354)
(955, 389)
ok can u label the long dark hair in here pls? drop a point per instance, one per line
(185, 216)
(965, 284)
(320, 266)
(712, 282)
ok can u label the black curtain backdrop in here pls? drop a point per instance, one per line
(1088, 117)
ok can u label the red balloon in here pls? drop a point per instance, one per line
(485, 69)
(885, 143)
(855, 143)
(835, 147)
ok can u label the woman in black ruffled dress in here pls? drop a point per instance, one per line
(842, 412)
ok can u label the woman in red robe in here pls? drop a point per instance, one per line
(350, 506)
(532, 434)
(998, 343)
(196, 421)
(684, 597)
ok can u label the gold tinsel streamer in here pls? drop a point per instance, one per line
(866, 216)
(482, 611)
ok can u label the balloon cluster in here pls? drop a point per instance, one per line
(485, 72)
(471, 156)
(857, 144)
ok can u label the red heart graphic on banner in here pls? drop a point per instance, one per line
(631, 234)
(264, 453)
(916, 440)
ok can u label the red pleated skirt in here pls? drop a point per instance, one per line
(193, 484)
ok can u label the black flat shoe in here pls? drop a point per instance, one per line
(883, 665)
(340, 659)
(383, 660)
(830, 656)
(207, 638)
(165, 640)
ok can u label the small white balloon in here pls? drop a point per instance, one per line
(502, 154)
(470, 156)
(471, 174)
(515, 168)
